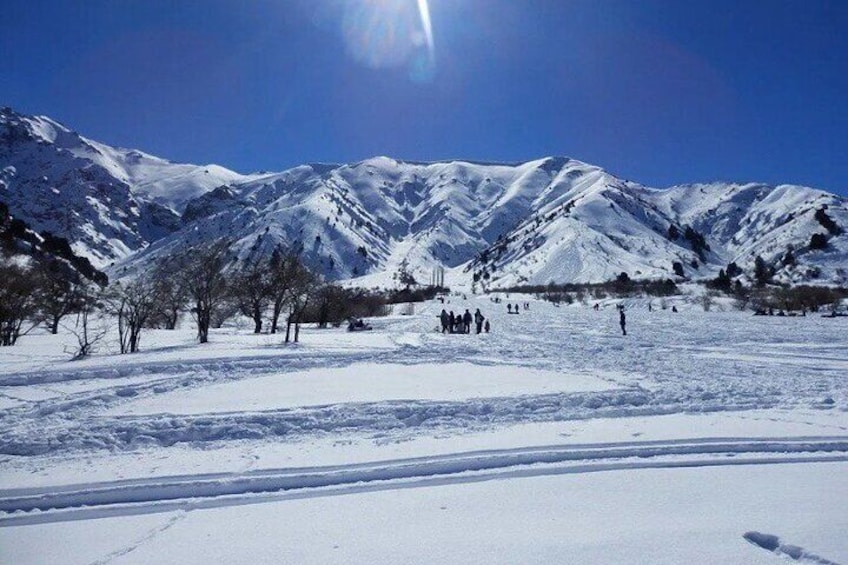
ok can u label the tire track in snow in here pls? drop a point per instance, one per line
(26, 506)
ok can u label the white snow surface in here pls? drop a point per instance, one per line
(700, 437)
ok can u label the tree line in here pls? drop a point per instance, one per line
(208, 282)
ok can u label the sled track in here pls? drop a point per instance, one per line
(189, 492)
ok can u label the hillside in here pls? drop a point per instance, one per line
(108, 202)
(549, 220)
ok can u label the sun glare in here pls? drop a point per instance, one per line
(386, 34)
(424, 11)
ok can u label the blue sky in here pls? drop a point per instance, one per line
(657, 91)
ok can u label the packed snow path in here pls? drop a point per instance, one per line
(221, 489)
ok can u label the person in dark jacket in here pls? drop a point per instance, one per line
(451, 321)
(466, 321)
(478, 319)
(443, 317)
(622, 321)
(487, 327)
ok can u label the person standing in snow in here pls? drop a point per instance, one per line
(622, 321)
(466, 320)
(509, 308)
(478, 319)
(487, 327)
(443, 317)
(451, 322)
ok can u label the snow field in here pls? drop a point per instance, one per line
(642, 516)
(175, 442)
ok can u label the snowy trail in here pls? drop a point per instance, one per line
(399, 416)
(221, 489)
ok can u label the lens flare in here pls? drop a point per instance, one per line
(383, 34)
(424, 11)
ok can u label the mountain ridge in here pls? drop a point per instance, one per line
(553, 219)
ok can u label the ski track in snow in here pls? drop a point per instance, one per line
(163, 494)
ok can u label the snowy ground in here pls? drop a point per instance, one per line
(697, 438)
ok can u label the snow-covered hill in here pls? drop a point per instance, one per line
(605, 227)
(554, 219)
(108, 202)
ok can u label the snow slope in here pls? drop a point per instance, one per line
(553, 219)
(107, 201)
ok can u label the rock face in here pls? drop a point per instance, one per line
(553, 219)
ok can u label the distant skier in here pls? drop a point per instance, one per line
(478, 319)
(674, 309)
(466, 320)
(622, 321)
(509, 308)
(443, 317)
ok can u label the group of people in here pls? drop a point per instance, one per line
(461, 323)
(513, 309)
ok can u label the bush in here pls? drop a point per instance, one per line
(818, 241)
(827, 222)
(618, 287)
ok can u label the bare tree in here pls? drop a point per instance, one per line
(252, 290)
(225, 310)
(87, 333)
(18, 302)
(708, 300)
(301, 290)
(133, 303)
(170, 295)
(58, 296)
(284, 270)
(202, 276)
(332, 305)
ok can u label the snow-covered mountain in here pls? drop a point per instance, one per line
(554, 219)
(108, 202)
(603, 227)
